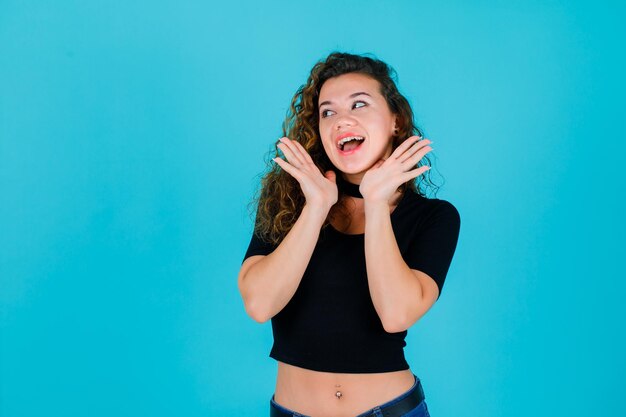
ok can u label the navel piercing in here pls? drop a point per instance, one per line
(338, 394)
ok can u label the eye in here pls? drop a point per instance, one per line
(324, 113)
(357, 104)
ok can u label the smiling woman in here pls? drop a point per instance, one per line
(352, 108)
(347, 251)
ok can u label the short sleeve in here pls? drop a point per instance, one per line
(433, 247)
(258, 246)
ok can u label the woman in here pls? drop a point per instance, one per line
(347, 252)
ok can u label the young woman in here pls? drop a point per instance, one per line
(347, 251)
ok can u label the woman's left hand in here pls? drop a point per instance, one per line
(382, 180)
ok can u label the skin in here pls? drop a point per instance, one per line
(379, 170)
(369, 116)
(366, 115)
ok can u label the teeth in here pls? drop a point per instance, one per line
(348, 139)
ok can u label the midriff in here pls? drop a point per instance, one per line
(313, 393)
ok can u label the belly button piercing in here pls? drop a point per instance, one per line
(338, 394)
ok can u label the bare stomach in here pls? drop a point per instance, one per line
(314, 393)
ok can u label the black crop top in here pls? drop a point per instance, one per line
(330, 323)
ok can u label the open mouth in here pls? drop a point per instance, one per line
(349, 144)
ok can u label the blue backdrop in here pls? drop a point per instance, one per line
(131, 139)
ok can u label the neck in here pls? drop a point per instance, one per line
(348, 187)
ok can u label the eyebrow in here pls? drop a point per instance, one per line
(351, 96)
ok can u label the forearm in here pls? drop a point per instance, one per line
(269, 284)
(394, 288)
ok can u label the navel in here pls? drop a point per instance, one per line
(338, 393)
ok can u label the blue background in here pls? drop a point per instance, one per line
(131, 139)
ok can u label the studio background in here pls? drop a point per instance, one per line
(132, 135)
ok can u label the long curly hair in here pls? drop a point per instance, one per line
(280, 200)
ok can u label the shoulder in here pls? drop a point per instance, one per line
(434, 209)
(446, 210)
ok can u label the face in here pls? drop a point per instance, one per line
(352, 105)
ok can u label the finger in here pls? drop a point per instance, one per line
(291, 144)
(415, 147)
(414, 173)
(293, 171)
(303, 151)
(417, 156)
(290, 153)
(405, 145)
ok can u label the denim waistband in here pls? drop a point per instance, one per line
(283, 411)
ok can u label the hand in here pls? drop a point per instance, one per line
(382, 180)
(319, 190)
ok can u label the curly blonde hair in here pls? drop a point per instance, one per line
(280, 200)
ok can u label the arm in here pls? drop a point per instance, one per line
(400, 295)
(267, 283)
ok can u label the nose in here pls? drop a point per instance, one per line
(343, 121)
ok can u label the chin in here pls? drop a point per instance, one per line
(354, 167)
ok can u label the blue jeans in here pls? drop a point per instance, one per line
(421, 410)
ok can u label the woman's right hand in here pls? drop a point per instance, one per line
(319, 190)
